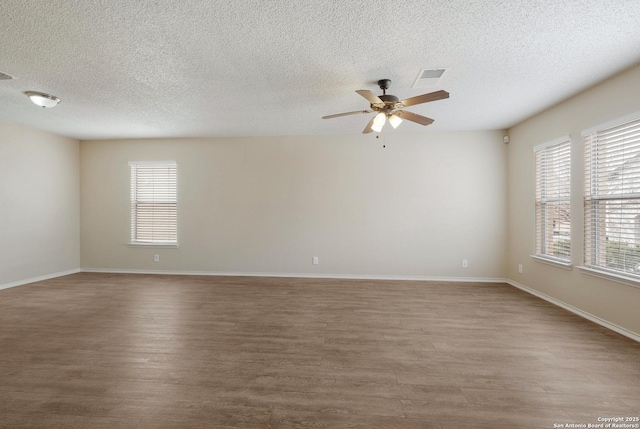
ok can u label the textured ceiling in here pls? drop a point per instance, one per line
(166, 68)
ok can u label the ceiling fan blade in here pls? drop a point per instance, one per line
(410, 116)
(368, 128)
(373, 99)
(346, 114)
(425, 98)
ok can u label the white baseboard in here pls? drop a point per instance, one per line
(38, 279)
(595, 319)
(301, 275)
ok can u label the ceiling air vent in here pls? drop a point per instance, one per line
(4, 76)
(428, 78)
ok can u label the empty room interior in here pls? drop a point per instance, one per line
(295, 214)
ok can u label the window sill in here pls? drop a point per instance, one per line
(168, 245)
(618, 278)
(554, 262)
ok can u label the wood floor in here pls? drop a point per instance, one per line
(137, 351)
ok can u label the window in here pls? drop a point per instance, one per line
(154, 203)
(612, 197)
(553, 200)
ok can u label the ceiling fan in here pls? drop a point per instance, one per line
(388, 106)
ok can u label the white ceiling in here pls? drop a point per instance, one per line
(167, 68)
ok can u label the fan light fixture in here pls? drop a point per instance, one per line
(43, 100)
(394, 121)
(378, 122)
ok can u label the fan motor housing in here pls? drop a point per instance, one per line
(390, 102)
(389, 99)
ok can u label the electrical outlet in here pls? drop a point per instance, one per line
(156, 258)
(465, 263)
(316, 260)
(520, 270)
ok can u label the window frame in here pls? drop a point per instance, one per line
(542, 226)
(593, 252)
(134, 223)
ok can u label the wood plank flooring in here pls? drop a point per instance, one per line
(140, 351)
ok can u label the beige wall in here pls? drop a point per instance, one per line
(612, 301)
(269, 204)
(39, 204)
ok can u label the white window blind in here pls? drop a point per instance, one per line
(612, 198)
(154, 203)
(553, 200)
